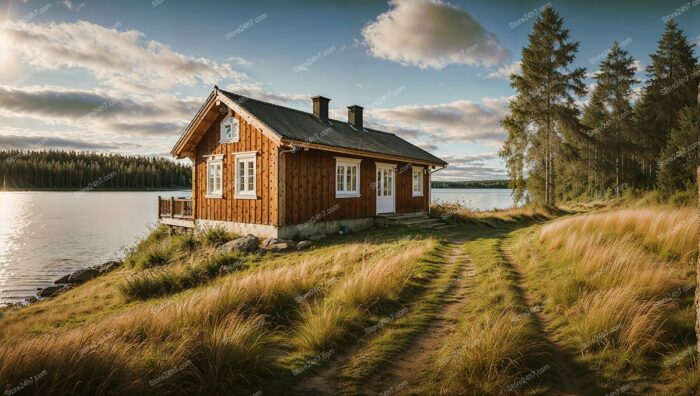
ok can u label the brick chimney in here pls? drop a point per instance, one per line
(321, 107)
(355, 116)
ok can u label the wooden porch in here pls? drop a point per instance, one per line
(176, 212)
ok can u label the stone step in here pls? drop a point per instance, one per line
(421, 222)
(394, 217)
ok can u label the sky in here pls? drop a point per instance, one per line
(128, 76)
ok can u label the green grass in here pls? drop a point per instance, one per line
(163, 281)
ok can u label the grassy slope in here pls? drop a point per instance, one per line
(183, 318)
(223, 332)
(619, 285)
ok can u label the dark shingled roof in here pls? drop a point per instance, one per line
(301, 126)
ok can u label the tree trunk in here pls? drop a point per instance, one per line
(697, 268)
(697, 271)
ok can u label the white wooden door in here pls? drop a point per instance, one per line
(386, 202)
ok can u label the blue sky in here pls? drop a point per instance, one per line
(127, 76)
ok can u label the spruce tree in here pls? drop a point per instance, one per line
(672, 79)
(616, 81)
(679, 160)
(594, 119)
(543, 109)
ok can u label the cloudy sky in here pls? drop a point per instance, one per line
(128, 76)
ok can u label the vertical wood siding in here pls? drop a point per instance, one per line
(310, 189)
(259, 211)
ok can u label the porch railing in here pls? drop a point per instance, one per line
(177, 208)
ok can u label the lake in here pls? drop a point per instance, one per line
(45, 235)
(476, 199)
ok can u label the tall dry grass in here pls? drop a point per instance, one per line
(670, 232)
(214, 339)
(620, 279)
(379, 279)
(383, 277)
(487, 356)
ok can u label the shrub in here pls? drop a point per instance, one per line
(187, 242)
(215, 236)
(168, 281)
(683, 198)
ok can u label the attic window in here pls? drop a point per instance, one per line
(229, 130)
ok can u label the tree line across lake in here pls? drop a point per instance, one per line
(627, 135)
(470, 184)
(72, 170)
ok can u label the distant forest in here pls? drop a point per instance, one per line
(72, 170)
(471, 184)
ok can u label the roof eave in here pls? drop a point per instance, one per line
(177, 150)
(365, 153)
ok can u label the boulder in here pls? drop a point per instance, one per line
(63, 279)
(30, 300)
(83, 275)
(246, 244)
(278, 245)
(304, 245)
(52, 291)
(108, 267)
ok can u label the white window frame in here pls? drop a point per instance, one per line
(347, 163)
(213, 160)
(235, 130)
(245, 158)
(420, 171)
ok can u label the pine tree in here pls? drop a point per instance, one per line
(594, 115)
(672, 80)
(543, 109)
(679, 160)
(616, 81)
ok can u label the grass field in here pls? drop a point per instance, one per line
(594, 300)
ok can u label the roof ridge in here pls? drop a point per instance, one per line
(300, 111)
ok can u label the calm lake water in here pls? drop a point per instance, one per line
(476, 199)
(45, 235)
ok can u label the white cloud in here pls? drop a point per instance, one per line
(66, 3)
(485, 166)
(639, 67)
(95, 110)
(505, 71)
(120, 59)
(27, 139)
(236, 60)
(257, 91)
(431, 34)
(460, 120)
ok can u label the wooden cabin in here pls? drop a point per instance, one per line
(273, 171)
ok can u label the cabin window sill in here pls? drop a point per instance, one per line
(347, 195)
(417, 194)
(245, 197)
(213, 196)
